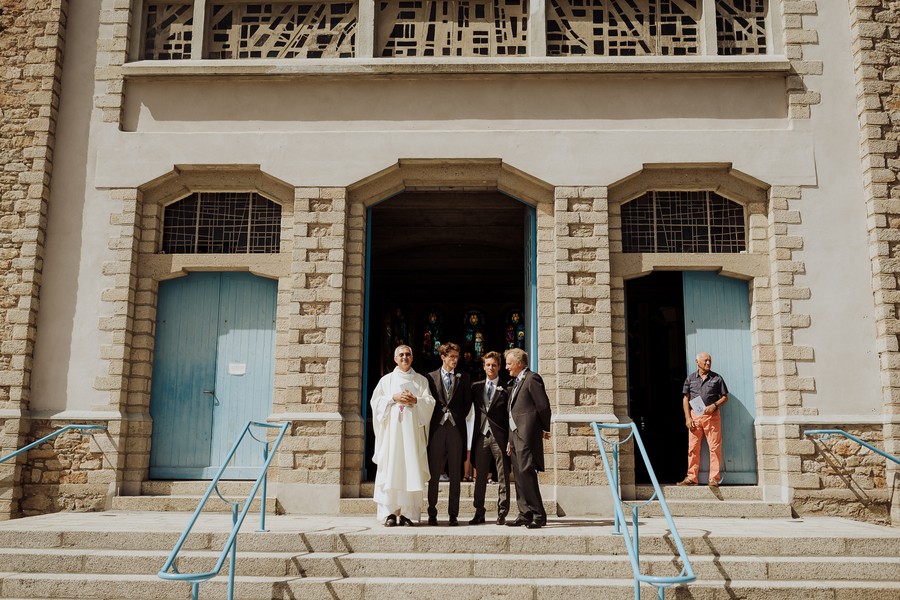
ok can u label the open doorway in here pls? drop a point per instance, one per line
(656, 372)
(444, 267)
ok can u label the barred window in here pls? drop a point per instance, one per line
(690, 222)
(222, 223)
(169, 30)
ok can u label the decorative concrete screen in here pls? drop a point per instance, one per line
(623, 27)
(452, 28)
(222, 223)
(282, 30)
(698, 222)
(168, 31)
(741, 26)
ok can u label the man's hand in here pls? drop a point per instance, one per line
(709, 409)
(406, 398)
(689, 423)
(508, 448)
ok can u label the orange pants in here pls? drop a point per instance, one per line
(711, 427)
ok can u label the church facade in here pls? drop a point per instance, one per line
(215, 212)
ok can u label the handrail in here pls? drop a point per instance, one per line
(829, 432)
(195, 579)
(633, 545)
(81, 428)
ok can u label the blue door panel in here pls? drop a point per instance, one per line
(245, 367)
(717, 320)
(181, 404)
(213, 371)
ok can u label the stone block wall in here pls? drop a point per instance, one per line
(842, 478)
(876, 57)
(32, 40)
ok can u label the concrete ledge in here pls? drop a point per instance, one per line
(419, 67)
(308, 498)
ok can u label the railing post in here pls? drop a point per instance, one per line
(233, 561)
(617, 529)
(265, 477)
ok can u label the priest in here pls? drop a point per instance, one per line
(401, 411)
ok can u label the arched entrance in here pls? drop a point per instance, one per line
(671, 317)
(446, 267)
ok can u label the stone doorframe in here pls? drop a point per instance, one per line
(769, 270)
(423, 175)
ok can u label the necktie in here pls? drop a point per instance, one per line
(490, 390)
(512, 393)
(448, 382)
(487, 403)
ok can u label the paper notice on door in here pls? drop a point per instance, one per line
(237, 368)
(697, 405)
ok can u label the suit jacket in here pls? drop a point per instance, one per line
(496, 414)
(459, 402)
(530, 410)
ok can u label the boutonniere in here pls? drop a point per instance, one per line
(500, 388)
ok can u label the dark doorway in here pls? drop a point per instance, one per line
(437, 262)
(656, 371)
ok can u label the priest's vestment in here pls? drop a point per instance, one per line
(401, 441)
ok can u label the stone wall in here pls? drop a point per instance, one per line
(32, 36)
(840, 477)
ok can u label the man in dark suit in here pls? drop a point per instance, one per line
(490, 436)
(447, 440)
(529, 425)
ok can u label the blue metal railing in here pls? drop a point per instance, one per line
(829, 432)
(24, 449)
(632, 544)
(170, 571)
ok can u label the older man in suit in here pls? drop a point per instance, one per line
(529, 425)
(490, 436)
(447, 440)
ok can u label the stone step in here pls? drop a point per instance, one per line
(147, 587)
(366, 506)
(702, 492)
(229, 488)
(717, 509)
(185, 503)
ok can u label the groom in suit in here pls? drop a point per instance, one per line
(447, 440)
(490, 436)
(529, 425)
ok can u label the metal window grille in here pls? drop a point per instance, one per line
(169, 30)
(222, 223)
(690, 222)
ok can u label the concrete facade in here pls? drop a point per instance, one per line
(99, 141)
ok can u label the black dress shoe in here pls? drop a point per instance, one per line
(501, 520)
(476, 520)
(453, 522)
(390, 521)
(518, 522)
(536, 524)
(406, 522)
(432, 521)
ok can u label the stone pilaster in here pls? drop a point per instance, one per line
(798, 36)
(32, 40)
(584, 344)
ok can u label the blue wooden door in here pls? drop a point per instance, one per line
(213, 370)
(717, 321)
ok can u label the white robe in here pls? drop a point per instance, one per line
(401, 442)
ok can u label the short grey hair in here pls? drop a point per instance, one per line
(400, 347)
(516, 355)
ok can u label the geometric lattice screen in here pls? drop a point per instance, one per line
(222, 223)
(169, 31)
(741, 26)
(282, 30)
(691, 222)
(451, 28)
(623, 27)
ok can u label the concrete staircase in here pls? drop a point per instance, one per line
(116, 555)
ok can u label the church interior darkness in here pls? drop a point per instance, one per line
(444, 267)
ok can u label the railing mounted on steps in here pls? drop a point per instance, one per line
(827, 433)
(170, 570)
(632, 544)
(81, 428)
